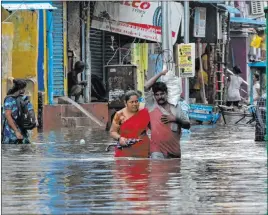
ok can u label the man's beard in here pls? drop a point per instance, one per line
(161, 101)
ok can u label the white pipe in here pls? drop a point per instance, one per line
(186, 40)
(165, 33)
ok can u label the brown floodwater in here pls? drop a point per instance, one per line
(222, 171)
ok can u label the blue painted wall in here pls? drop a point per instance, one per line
(40, 62)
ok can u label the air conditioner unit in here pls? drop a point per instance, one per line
(256, 7)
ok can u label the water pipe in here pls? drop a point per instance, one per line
(88, 57)
(50, 56)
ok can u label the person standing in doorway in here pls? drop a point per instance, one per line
(76, 88)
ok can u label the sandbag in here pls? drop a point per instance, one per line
(174, 87)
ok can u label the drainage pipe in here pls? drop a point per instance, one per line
(88, 57)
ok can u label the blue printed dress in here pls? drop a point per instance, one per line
(9, 136)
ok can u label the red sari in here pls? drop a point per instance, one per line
(134, 127)
(164, 140)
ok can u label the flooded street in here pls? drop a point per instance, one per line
(222, 171)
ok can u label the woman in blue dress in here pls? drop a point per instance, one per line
(11, 132)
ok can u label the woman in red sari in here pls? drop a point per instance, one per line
(131, 123)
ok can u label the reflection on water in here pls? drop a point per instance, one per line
(222, 171)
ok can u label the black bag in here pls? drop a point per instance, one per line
(26, 119)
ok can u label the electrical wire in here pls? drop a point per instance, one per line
(129, 50)
(167, 61)
(115, 54)
(167, 58)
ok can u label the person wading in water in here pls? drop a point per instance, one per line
(18, 115)
(166, 120)
(131, 122)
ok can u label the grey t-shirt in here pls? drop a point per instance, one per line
(151, 104)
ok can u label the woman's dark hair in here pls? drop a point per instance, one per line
(237, 70)
(257, 76)
(18, 84)
(159, 86)
(130, 93)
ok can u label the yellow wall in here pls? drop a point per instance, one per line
(139, 58)
(6, 51)
(25, 49)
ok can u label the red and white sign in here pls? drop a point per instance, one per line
(139, 19)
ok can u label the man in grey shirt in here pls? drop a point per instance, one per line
(166, 120)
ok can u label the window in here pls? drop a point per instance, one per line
(256, 7)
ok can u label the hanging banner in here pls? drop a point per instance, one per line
(139, 19)
(186, 60)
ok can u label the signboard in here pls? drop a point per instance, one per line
(141, 19)
(186, 60)
(200, 22)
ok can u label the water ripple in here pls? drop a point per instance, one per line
(222, 171)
